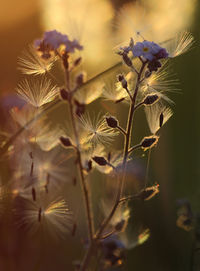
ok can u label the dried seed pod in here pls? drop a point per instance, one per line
(64, 94)
(101, 161)
(151, 99)
(149, 142)
(89, 166)
(123, 81)
(80, 79)
(77, 61)
(161, 118)
(112, 122)
(33, 194)
(65, 141)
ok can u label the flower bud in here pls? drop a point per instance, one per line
(64, 94)
(65, 141)
(151, 99)
(148, 74)
(149, 142)
(77, 61)
(127, 60)
(123, 81)
(101, 161)
(112, 122)
(80, 79)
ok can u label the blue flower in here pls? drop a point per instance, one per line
(54, 39)
(149, 50)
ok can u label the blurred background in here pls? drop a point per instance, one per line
(101, 25)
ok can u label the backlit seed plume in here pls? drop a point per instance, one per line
(114, 92)
(51, 165)
(157, 115)
(180, 44)
(90, 93)
(47, 136)
(44, 216)
(96, 130)
(31, 63)
(37, 92)
(161, 81)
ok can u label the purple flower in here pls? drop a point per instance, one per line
(54, 39)
(149, 50)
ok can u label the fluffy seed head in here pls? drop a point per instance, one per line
(96, 130)
(31, 63)
(37, 92)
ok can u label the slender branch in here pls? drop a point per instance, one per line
(134, 148)
(128, 91)
(125, 155)
(121, 130)
(81, 169)
(110, 165)
(138, 105)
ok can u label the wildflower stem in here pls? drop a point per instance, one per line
(125, 155)
(138, 105)
(81, 170)
(121, 130)
(134, 148)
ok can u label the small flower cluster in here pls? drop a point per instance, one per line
(53, 40)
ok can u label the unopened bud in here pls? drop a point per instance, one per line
(127, 60)
(80, 108)
(64, 94)
(123, 81)
(151, 99)
(149, 142)
(65, 141)
(101, 161)
(148, 74)
(80, 79)
(77, 61)
(112, 122)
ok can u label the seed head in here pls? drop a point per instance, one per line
(112, 122)
(149, 142)
(65, 141)
(151, 99)
(101, 161)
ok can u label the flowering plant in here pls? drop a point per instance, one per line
(46, 158)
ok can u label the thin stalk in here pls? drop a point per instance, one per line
(134, 148)
(121, 130)
(83, 182)
(125, 155)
